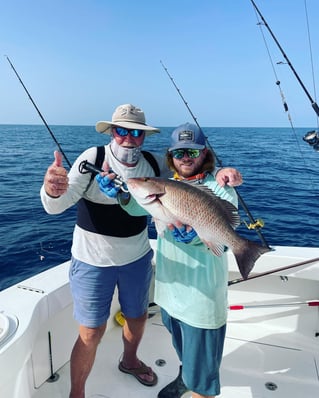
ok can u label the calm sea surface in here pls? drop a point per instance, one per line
(281, 186)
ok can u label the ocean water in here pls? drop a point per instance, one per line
(281, 187)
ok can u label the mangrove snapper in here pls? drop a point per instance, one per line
(213, 218)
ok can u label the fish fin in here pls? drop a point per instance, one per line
(231, 213)
(247, 254)
(217, 248)
(202, 187)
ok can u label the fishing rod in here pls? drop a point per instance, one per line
(85, 166)
(40, 114)
(306, 262)
(309, 303)
(313, 103)
(255, 224)
(190, 111)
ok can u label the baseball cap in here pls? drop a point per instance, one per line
(187, 136)
(127, 116)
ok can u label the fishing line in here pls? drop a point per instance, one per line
(313, 103)
(310, 52)
(285, 105)
(255, 224)
(284, 102)
(311, 137)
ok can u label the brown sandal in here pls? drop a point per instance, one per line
(136, 372)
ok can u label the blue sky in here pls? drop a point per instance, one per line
(80, 59)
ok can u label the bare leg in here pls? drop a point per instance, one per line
(82, 358)
(133, 330)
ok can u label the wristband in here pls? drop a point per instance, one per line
(123, 197)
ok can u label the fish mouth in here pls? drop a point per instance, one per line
(150, 198)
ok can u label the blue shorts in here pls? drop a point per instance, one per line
(93, 288)
(200, 352)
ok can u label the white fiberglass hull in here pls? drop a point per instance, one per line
(271, 347)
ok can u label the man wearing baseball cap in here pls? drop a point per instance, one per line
(190, 280)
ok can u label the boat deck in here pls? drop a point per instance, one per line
(106, 381)
(250, 369)
(271, 347)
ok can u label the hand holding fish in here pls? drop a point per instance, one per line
(56, 178)
(181, 232)
(229, 176)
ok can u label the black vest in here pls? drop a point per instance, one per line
(111, 220)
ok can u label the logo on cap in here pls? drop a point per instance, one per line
(186, 136)
(128, 109)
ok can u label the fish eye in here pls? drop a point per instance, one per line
(146, 179)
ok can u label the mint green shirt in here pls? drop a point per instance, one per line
(190, 281)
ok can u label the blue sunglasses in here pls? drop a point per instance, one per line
(122, 132)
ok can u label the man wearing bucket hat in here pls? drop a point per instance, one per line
(110, 248)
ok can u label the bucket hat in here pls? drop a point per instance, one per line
(127, 116)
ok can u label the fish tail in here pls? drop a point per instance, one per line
(246, 256)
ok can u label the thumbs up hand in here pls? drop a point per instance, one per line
(56, 178)
(58, 159)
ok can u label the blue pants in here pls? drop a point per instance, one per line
(200, 351)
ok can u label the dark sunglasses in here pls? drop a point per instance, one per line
(122, 132)
(191, 153)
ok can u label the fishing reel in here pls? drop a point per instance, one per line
(312, 138)
(259, 223)
(87, 167)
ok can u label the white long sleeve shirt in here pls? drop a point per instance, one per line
(90, 247)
